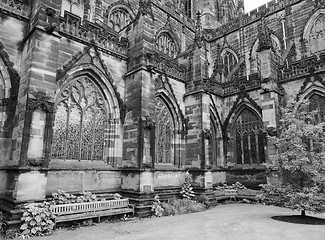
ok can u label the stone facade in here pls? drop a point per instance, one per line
(126, 96)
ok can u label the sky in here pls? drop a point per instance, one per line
(252, 4)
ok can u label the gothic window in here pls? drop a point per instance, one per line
(119, 18)
(188, 8)
(249, 139)
(80, 122)
(316, 34)
(166, 44)
(229, 63)
(5, 83)
(73, 6)
(164, 133)
(214, 145)
(317, 107)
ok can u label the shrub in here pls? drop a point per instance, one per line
(181, 206)
(156, 207)
(202, 199)
(38, 220)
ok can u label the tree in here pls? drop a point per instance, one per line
(300, 160)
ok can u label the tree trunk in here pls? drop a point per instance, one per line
(303, 213)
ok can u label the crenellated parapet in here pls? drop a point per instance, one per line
(156, 62)
(17, 8)
(72, 26)
(234, 86)
(248, 18)
(302, 68)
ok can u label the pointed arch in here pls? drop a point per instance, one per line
(241, 147)
(247, 137)
(216, 139)
(315, 94)
(314, 32)
(276, 47)
(169, 124)
(9, 78)
(87, 118)
(229, 61)
(118, 16)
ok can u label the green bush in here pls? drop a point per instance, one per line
(181, 206)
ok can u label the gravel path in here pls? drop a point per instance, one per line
(225, 222)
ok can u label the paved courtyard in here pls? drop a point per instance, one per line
(233, 222)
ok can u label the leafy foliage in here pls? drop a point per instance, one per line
(156, 207)
(300, 160)
(61, 197)
(187, 189)
(38, 220)
(181, 206)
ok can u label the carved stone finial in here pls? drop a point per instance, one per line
(145, 8)
(198, 30)
(265, 41)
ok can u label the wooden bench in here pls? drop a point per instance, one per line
(232, 194)
(87, 210)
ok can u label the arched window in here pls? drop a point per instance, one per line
(317, 107)
(119, 18)
(314, 33)
(165, 43)
(249, 138)
(73, 6)
(214, 145)
(229, 63)
(80, 122)
(5, 84)
(164, 133)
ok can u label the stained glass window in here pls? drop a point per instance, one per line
(166, 44)
(249, 139)
(80, 122)
(164, 133)
(119, 18)
(229, 63)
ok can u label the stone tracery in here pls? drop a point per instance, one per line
(81, 121)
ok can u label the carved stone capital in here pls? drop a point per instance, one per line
(40, 103)
(148, 123)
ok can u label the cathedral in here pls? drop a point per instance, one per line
(129, 96)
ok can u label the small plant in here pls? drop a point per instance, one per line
(3, 225)
(156, 207)
(202, 199)
(38, 220)
(187, 189)
(117, 196)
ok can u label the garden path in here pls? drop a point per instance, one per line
(224, 222)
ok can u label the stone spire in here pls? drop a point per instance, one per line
(265, 41)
